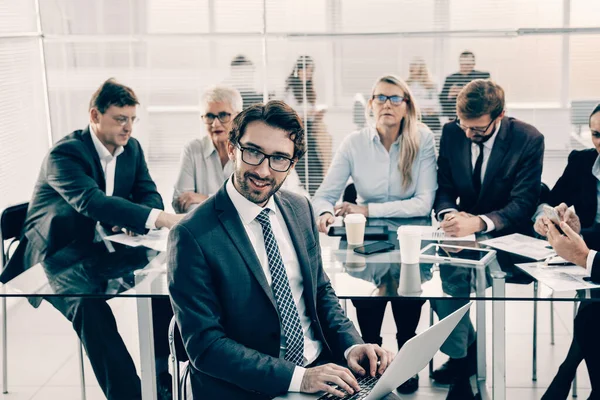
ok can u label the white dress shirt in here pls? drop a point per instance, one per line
(109, 167)
(248, 212)
(487, 150)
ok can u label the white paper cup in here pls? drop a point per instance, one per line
(410, 280)
(409, 237)
(355, 262)
(355, 228)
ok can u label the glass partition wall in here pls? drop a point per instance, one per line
(321, 56)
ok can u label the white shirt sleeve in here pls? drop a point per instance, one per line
(297, 378)
(590, 261)
(152, 217)
(488, 223)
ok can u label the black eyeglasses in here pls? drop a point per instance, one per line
(255, 157)
(223, 116)
(475, 130)
(395, 99)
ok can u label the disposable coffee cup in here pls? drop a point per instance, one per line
(354, 261)
(410, 280)
(409, 237)
(355, 228)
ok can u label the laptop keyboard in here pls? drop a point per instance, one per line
(366, 384)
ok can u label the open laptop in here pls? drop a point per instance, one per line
(412, 358)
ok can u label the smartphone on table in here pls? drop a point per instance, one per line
(377, 247)
(552, 215)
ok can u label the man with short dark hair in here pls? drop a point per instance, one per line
(256, 311)
(455, 82)
(493, 164)
(92, 182)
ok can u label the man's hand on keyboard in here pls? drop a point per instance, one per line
(369, 354)
(321, 379)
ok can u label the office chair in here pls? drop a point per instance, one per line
(12, 220)
(176, 356)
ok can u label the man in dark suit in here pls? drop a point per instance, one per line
(574, 248)
(455, 82)
(93, 181)
(493, 165)
(576, 188)
(257, 313)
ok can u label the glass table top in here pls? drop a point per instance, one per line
(140, 272)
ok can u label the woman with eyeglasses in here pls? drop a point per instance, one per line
(392, 164)
(578, 188)
(205, 164)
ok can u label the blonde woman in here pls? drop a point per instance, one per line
(393, 166)
(425, 93)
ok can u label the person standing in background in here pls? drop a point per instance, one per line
(301, 96)
(242, 78)
(425, 93)
(455, 82)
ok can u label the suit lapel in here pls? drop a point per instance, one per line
(464, 157)
(296, 234)
(501, 145)
(98, 174)
(230, 219)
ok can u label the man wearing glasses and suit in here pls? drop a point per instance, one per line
(256, 311)
(94, 181)
(493, 164)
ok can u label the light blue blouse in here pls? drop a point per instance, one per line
(377, 177)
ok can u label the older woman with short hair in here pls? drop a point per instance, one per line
(205, 164)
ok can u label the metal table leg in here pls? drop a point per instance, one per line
(498, 334)
(480, 325)
(147, 359)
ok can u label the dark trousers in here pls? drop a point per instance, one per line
(370, 317)
(104, 274)
(586, 335)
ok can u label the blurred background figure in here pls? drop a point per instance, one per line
(300, 94)
(455, 82)
(242, 79)
(425, 93)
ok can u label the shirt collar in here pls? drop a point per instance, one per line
(102, 151)
(375, 136)
(247, 210)
(209, 147)
(490, 142)
(596, 168)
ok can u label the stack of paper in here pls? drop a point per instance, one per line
(432, 233)
(559, 279)
(156, 239)
(526, 246)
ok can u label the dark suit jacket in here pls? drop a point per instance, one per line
(69, 198)
(511, 186)
(449, 105)
(577, 187)
(225, 309)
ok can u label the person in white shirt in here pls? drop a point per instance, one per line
(256, 311)
(392, 164)
(94, 181)
(204, 162)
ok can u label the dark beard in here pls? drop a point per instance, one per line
(253, 196)
(482, 139)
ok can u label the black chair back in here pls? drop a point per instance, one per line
(12, 220)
